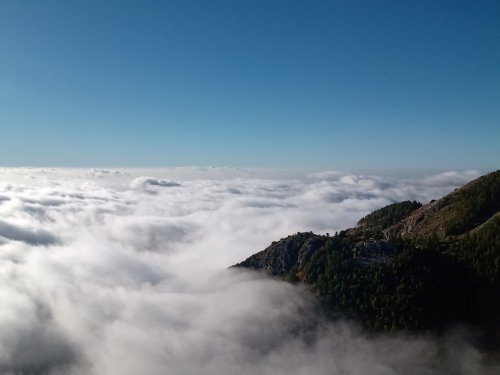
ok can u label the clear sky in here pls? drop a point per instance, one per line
(315, 84)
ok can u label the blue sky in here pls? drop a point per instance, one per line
(313, 84)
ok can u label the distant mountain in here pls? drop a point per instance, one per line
(405, 266)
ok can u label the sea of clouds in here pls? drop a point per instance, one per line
(108, 272)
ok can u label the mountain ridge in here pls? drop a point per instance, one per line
(406, 265)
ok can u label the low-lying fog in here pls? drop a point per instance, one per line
(125, 272)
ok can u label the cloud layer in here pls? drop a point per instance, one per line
(112, 272)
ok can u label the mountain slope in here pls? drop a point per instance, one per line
(405, 266)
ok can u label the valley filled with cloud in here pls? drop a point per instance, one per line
(111, 272)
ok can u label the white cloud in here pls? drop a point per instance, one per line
(99, 276)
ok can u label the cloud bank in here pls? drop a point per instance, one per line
(112, 272)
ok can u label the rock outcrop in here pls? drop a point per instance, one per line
(286, 255)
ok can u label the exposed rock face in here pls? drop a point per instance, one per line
(428, 220)
(283, 256)
(290, 255)
(374, 251)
